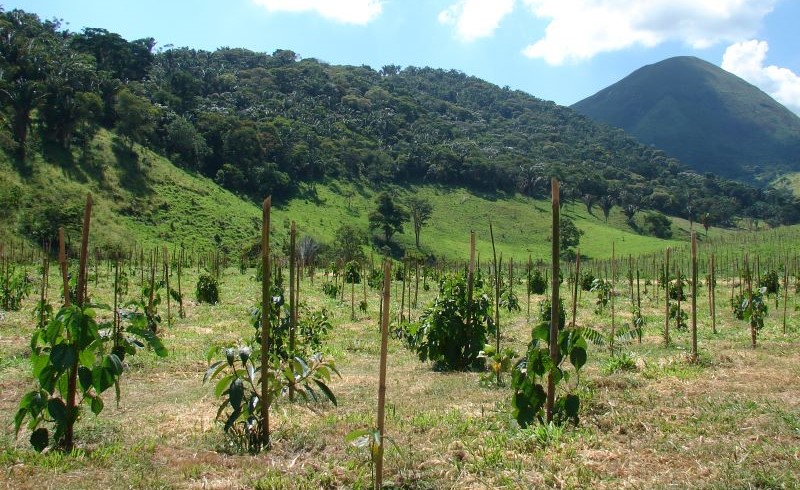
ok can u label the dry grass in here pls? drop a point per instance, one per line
(731, 421)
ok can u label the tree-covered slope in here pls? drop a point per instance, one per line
(260, 124)
(706, 117)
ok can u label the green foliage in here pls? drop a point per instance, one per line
(679, 316)
(348, 243)
(586, 280)
(147, 307)
(622, 361)
(375, 279)
(238, 385)
(343, 122)
(331, 290)
(14, 287)
(40, 219)
(604, 290)
(388, 217)
(498, 363)
(770, 281)
(508, 300)
(569, 238)
(441, 334)
(546, 308)
(537, 284)
(529, 378)
(752, 311)
(70, 360)
(701, 115)
(352, 272)
(658, 225)
(677, 288)
(207, 290)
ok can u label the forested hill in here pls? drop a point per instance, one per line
(275, 124)
(707, 117)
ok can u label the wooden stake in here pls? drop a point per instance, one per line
(387, 275)
(554, 299)
(265, 321)
(694, 296)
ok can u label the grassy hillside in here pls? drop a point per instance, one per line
(141, 198)
(520, 224)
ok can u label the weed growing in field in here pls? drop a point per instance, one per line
(15, 287)
(622, 361)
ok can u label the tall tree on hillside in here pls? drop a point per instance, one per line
(421, 210)
(388, 217)
(606, 202)
(135, 117)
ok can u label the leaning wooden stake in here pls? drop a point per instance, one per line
(694, 296)
(554, 303)
(266, 268)
(387, 284)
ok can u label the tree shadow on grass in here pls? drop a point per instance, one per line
(132, 175)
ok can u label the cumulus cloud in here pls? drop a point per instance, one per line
(345, 11)
(474, 19)
(746, 59)
(580, 29)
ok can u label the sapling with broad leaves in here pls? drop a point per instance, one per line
(71, 362)
(252, 376)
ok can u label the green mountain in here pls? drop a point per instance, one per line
(704, 116)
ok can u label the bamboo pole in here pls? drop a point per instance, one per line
(265, 320)
(387, 272)
(666, 297)
(496, 297)
(694, 296)
(575, 287)
(292, 304)
(470, 277)
(554, 300)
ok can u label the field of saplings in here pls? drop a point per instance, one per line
(176, 368)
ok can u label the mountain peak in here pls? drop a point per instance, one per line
(699, 113)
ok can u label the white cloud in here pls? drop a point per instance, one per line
(746, 59)
(580, 29)
(345, 11)
(475, 19)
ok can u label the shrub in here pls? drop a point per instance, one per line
(770, 282)
(331, 290)
(587, 278)
(537, 284)
(442, 336)
(207, 289)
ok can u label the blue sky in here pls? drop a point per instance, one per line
(560, 50)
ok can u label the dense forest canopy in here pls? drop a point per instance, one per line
(264, 124)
